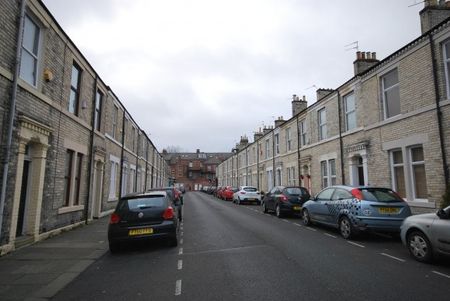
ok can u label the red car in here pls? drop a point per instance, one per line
(227, 193)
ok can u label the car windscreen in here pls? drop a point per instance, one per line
(296, 191)
(250, 189)
(154, 201)
(380, 195)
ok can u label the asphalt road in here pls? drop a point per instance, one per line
(231, 252)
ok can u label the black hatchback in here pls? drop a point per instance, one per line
(285, 200)
(143, 216)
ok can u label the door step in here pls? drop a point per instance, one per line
(23, 241)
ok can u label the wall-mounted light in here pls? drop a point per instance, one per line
(48, 75)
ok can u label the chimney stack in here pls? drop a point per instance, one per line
(257, 135)
(433, 13)
(266, 130)
(298, 104)
(279, 121)
(321, 93)
(364, 60)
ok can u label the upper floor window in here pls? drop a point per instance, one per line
(74, 89)
(303, 133)
(29, 61)
(133, 139)
(267, 148)
(277, 144)
(98, 109)
(322, 122)
(446, 52)
(350, 111)
(288, 139)
(391, 94)
(115, 117)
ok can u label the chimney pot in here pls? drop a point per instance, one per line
(374, 55)
(358, 55)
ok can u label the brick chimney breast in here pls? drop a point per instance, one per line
(298, 104)
(433, 13)
(364, 61)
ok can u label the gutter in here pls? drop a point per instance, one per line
(12, 113)
(438, 109)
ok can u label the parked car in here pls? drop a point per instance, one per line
(176, 196)
(247, 194)
(427, 235)
(356, 209)
(143, 216)
(228, 192)
(285, 200)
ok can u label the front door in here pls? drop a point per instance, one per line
(23, 198)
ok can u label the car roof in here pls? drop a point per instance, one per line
(350, 187)
(144, 194)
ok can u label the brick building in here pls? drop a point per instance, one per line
(70, 148)
(389, 125)
(194, 170)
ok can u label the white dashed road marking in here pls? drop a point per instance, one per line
(442, 274)
(181, 241)
(393, 257)
(312, 229)
(178, 288)
(180, 252)
(328, 234)
(298, 225)
(285, 220)
(355, 244)
(180, 264)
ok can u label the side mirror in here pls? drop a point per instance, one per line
(442, 214)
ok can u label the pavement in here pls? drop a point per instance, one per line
(39, 271)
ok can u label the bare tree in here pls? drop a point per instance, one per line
(174, 149)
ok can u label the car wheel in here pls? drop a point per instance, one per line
(278, 212)
(264, 208)
(346, 228)
(306, 218)
(114, 247)
(238, 201)
(419, 246)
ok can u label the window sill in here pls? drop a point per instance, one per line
(114, 199)
(70, 209)
(422, 204)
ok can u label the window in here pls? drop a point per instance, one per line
(419, 179)
(267, 148)
(98, 109)
(269, 179)
(68, 176)
(277, 144)
(278, 178)
(391, 94)
(115, 116)
(74, 89)
(113, 179)
(133, 139)
(79, 167)
(350, 112)
(29, 61)
(328, 172)
(398, 172)
(303, 131)
(322, 120)
(446, 52)
(291, 175)
(288, 139)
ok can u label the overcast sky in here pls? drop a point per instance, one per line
(198, 74)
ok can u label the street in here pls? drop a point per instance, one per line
(231, 252)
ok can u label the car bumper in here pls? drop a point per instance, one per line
(380, 224)
(118, 233)
(291, 208)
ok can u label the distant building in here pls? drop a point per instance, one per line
(194, 170)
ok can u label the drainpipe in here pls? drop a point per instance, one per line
(146, 166)
(91, 155)
(121, 153)
(273, 158)
(12, 113)
(341, 143)
(137, 161)
(257, 165)
(153, 168)
(298, 152)
(438, 110)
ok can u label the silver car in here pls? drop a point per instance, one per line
(427, 235)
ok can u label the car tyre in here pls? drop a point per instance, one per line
(346, 228)
(114, 247)
(238, 201)
(419, 246)
(278, 212)
(264, 207)
(306, 217)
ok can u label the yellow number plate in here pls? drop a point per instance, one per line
(388, 210)
(142, 231)
(297, 208)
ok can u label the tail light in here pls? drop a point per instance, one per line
(168, 213)
(242, 192)
(357, 194)
(283, 198)
(115, 218)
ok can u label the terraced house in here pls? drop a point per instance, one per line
(389, 125)
(69, 146)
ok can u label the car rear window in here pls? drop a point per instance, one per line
(380, 195)
(250, 189)
(296, 191)
(235, 189)
(145, 202)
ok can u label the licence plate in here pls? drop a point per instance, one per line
(250, 199)
(141, 231)
(388, 210)
(297, 208)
